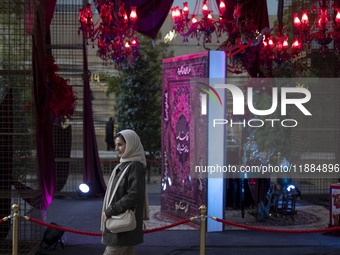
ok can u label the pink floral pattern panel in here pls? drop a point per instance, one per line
(184, 136)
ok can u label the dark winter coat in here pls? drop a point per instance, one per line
(129, 195)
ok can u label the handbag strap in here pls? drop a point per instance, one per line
(117, 184)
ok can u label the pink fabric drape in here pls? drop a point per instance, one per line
(256, 9)
(150, 14)
(251, 9)
(44, 138)
(38, 24)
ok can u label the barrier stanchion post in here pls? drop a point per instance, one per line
(203, 210)
(15, 241)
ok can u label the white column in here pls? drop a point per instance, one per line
(216, 141)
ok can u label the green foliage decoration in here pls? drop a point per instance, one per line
(138, 89)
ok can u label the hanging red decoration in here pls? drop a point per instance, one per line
(193, 28)
(114, 32)
(323, 30)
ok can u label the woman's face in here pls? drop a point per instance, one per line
(120, 146)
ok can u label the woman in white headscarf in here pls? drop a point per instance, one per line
(129, 195)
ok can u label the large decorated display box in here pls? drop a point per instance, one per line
(334, 209)
(188, 141)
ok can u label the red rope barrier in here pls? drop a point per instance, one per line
(186, 221)
(100, 234)
(275, 230)
(168, 226)
(152, 161)
(64, 229)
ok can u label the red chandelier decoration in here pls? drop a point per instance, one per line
(206, 26)
(276, 47)
(324, 29)
(273, 46)
(116, 34)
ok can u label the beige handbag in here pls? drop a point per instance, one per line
(123, 222)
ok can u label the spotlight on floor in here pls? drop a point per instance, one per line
(84, 190)
(290, 188)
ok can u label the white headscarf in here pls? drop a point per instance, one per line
(134, 151)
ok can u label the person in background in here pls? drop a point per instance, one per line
(131, 194)
(109, 134)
